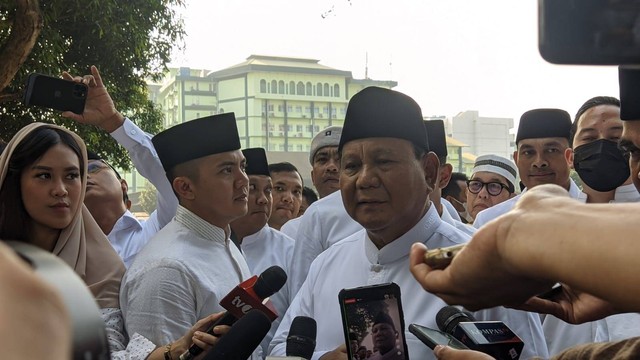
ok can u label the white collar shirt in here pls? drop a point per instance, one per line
(179, 278)
(356, 261)
(325, 222)
(266, 248)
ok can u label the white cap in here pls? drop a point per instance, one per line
(497, 165)
(327, 137)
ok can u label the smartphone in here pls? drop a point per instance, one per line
(440, 258)
(594, 32)
(373, 321)
(432, 337)
(55, 93)
(552, 293)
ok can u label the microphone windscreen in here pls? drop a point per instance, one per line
(270, 281)
(242, 339)
(449, 317)
(302, 337)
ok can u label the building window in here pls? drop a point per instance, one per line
(280, 108)
(292, 88)
(309, 89)
(326, 90)
(270, 107)
(281, 87)
(325, 110)
(299, 128)
(263, 86)
(300, 147)
(289, 108)
(274, 87)
(211, 87)
(318, 89)
(299, 109)
(336, 90)
(300, 89)
(307, 109)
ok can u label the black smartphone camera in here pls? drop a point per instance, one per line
(55, 93)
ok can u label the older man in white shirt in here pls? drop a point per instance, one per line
(385, 180)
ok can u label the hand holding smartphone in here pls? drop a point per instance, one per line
(432, 337)
(55, 93)
(373, 321)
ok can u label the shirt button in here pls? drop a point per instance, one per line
(133, 132)
(377, 268)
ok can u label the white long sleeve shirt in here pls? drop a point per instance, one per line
(356, 261)
(179, 278)
(266, 248)
(323, 224)
(130, 234)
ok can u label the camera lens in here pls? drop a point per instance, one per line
(79, 91)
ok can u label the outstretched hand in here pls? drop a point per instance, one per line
(99, 109)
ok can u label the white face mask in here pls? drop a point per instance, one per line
(465, 214)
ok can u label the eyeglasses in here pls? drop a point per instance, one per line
(96, 166)
(494, 188)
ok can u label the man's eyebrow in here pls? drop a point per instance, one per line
(626, 143)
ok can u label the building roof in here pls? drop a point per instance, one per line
(468, 157)
(278, 64)
(453, 142)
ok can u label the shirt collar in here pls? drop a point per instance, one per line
(399, 248)
(257, 236)
(198, 225)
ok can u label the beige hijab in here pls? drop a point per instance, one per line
(82, 244)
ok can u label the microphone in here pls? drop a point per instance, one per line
(245, 297)
(490, 337)
(243, 337)
(301, 341)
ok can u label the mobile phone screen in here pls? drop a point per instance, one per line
(373, 322)
(432, 337)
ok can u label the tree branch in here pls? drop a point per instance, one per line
(27, 25)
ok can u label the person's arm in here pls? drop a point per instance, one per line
(548, 237)
(160, 302)
(140, 348)
(147, 163)
(100, 111)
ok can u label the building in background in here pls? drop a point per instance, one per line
(280, 103)
(484, 135)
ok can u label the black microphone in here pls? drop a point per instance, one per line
(242, 339)
(302, 337)
(490, 337)
(244, 297)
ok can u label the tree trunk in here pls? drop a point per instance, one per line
(26, 27)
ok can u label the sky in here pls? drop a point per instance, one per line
(450, 56)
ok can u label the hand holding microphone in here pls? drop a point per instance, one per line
(490, 337)
(243, 298)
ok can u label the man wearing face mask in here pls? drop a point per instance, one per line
(599, 162)
(604, 171)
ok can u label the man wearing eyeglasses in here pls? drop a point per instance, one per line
(106, 196)
(543, 156)
(493, 180)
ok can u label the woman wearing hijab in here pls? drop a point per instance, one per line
(42, 184)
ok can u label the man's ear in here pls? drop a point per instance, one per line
(183, 186)
(124, 186)
(445, 175)
(431, 166)
(568, 155)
